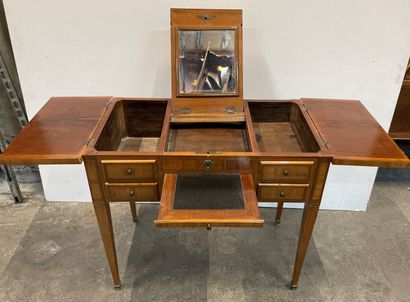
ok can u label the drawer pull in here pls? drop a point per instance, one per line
(282, 194)
(132, 193)
(208, 164)
(285, 172)
(129, 172)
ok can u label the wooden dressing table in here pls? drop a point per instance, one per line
(144, 150)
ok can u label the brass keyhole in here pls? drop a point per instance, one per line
(208, 164)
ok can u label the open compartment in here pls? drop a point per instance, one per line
(207, 137)
(133, 126)
(208, 200)
(281, 127)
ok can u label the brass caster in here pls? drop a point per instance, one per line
(117, 286)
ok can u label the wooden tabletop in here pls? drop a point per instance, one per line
(58, 132)
(352, 134)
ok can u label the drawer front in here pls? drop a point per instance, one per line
(131, 192)
(278, 171)
(129, 170)
(282, 192)
(206, 164)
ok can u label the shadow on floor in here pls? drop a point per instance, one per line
(224, 264)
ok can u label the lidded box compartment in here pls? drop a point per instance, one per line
(281, 127)
(208, 137)
(133, 126)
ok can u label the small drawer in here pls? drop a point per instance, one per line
(282, 192)
(279, 171)
(133, 191)
(129, 170)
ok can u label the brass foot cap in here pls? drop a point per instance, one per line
(117, 286)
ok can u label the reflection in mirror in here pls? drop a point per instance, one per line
(207, 62)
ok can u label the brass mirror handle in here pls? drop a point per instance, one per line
(129, 171)
(285, 172)
(282, 194)
(132, 193)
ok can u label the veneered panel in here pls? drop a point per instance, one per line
(352, 134)
(58, 132)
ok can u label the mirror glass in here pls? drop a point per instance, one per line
(207, 62)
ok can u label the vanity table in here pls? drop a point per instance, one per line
(206, 138)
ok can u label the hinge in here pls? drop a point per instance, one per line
(230, 110)
(90, 142)
(305, 108)
(324, 143)
(185, 110)
(109, 105)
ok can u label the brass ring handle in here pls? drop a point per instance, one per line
(208, 164)
(282, 194)
(132, 193)
(285, 172)
(129, 171)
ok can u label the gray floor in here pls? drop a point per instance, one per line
(51, 251)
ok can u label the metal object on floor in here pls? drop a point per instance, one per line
(11, 93)
(10, 174)
(16, 104)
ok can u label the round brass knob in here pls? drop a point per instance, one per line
(129, 171)
(132, 193)
(282, 194)
(209, 227)
(208, 164)
(285, 172)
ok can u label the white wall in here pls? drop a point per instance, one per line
(292, 49)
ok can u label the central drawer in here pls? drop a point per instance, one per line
(129, 170)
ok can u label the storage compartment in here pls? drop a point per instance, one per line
(285, 171)
(208, 200)
(133, 126)
(282, 192)
(129, 170)
(133, 192)
(208, 137)
(281, 127)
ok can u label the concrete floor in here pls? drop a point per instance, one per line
(51, 251)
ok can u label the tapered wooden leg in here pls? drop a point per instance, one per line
(308, 221)
(103, 213)
(278, 215)
(134, 211)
